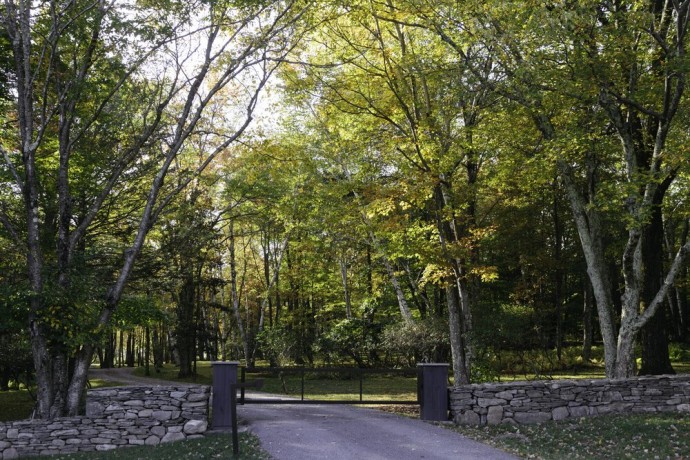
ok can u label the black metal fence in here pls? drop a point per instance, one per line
(305, 373)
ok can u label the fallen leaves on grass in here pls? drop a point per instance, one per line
(634, 436)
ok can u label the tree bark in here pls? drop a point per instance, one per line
(653, 335)
(587, 321)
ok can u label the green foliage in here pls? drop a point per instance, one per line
(16, 363)
(417, 342)
(138, 310)
(278, 344)
(350, 340)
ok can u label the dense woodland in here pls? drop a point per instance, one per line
(370, 183)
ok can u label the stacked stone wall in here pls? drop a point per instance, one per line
(540, 401)
(115, 417)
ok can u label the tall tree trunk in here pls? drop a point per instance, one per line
(654, 341)
(458, 346)
(235, 295)
(457, 295)
(346, 290)
(558, 272)
(587, 321)
(185, 330)
(590, 232)
(147, 351)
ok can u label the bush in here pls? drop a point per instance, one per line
(422, 341)
(16, 364)
(350, 340)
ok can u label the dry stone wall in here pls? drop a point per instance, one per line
(540, 401)
(115, 417)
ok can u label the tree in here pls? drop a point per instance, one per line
(620, 67)
(77, 65)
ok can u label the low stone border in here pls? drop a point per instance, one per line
(540, 401)
(115, 417)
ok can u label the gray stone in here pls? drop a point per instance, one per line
(162, 415)
(467, 418)
(579, 411)
(134, 402)
(187, 405)
(560, 413)
(680, 408)
(178, 394)
(494, 416)
(71, 432)
(94, 409)
(200, 426)
(158, 431)
(152, 440)
(12, 433)
(195, 397)
(486, 402)
(507, 395)
(10, 454)
(532, 417)
(104, 447)
(99, 440)
(612, 396)
(145, 413)
(172, 437)
(4, 445)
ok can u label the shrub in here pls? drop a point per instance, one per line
(418, 341)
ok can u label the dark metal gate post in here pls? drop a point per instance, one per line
(224, 377)
(432, 388)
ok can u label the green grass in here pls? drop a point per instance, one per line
(16, 405)
(169, 372)
(383, 387)
(211, 446)
(634, 436)
(336, 386)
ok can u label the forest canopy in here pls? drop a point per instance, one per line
(355, 182)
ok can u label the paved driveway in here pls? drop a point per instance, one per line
(335, 432)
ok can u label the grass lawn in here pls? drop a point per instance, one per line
(169, 372)
(211, 446)
(374, 387)
(18, 404)
(634, 436)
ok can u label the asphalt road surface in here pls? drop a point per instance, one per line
(335, 432)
